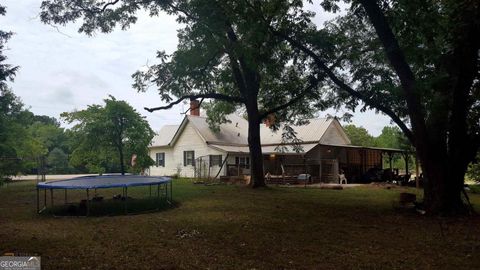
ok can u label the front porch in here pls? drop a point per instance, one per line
(322, 164)
(318, 163)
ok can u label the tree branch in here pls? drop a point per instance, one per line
(368, 101)
(313, 84)
(207, 95)
(109, 4)
(397, 60)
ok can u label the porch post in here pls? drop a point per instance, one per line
(391, 166)
(417, 172)
(406, 156)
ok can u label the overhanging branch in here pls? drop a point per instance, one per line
(312, 85)
(368, 101)
(218, 96)
(399, 63)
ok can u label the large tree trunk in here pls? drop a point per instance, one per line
(254, 145)
(444, 179)
(443, 189)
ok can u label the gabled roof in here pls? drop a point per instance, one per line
(235, 133)
(165, 135)
(311, 132)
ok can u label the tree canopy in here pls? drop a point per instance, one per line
(359, 136)
(415, 61)
(110, 134)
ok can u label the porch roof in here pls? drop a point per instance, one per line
(388, 150)
(286, 149)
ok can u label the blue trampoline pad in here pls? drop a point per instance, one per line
(104, 181)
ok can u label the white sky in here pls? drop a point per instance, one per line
(62, 70)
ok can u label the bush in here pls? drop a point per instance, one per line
(473, 171)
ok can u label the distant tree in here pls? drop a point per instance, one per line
(57, 161)
(393, 137)
(474, 169)
(359, 136)
(7, 71)
(9, 106)
(14, 142)
(390, 138)
(113, 128)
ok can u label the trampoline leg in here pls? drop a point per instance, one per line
(51, 197)
(158, 195)
(150, 187)
(45, 198)
(38, 201)
(88, 203)
(126, 197)
(171, 192)
(65, 196)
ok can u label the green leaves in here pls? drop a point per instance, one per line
(113, 132)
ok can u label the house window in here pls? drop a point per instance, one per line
(215, 160)
(160, 159)
(243, 162)
(188, 158)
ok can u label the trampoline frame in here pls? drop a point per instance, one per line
(44, 185)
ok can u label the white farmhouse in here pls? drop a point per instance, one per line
(192, 149)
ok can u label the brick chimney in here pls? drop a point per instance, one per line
(194, 107)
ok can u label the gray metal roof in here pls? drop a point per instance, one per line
(311, 132)
(235, 133)
(165, 135)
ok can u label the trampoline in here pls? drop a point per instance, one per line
(89, 183)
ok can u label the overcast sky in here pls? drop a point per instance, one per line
(62, 70)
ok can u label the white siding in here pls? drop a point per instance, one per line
(189, 140)
(170, 167)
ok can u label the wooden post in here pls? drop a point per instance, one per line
(390, 157)
(209, 166)
(363, 159)
(391, 166)
(417, 172)
(406, 156)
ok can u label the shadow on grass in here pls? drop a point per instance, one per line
(111, 207)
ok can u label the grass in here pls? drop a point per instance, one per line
(233, 227)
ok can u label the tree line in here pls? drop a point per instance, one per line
(103, 139)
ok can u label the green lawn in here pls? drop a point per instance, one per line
(233, 227)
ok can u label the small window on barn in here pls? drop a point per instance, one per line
(215, 160)
(188, 158)
(160, 159)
